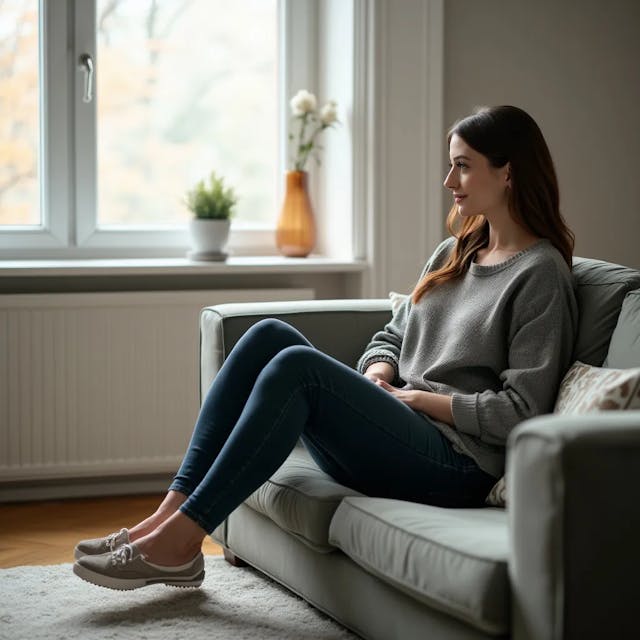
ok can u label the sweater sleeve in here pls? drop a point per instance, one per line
(541, 343)
(385, 345)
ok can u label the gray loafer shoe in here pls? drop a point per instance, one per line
(126, 568)
(98, 546)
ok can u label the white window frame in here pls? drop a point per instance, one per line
(53, 156)
(68, 143)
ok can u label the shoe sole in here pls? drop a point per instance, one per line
(122, 584)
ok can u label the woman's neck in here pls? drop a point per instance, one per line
(509, 239)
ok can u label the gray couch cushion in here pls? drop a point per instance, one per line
(452, 559)
(301, 499)
(624, 349)
(601, 288)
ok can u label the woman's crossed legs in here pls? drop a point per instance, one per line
(273, 389)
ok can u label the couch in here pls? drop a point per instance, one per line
(561, 561)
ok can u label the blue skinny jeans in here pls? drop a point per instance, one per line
(275, 388)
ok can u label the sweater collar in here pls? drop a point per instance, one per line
(485, 270)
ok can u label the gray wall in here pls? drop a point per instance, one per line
(574, 65)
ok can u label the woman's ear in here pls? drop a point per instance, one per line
(507, 175)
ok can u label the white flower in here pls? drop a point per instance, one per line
(329, 113)
(308, 125)
(303, 102)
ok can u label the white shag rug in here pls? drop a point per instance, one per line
(232, 603)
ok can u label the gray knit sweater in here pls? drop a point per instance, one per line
(498, 341)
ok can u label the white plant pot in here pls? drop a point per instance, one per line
(208, 238)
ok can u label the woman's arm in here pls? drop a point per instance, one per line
(384, 347)
(380, 371)
(435, 405)
(542, 335)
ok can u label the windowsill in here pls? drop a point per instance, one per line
(234, 265)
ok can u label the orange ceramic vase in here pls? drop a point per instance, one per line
(296, 230)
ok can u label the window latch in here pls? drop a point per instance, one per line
(86, 64)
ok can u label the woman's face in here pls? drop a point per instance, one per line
(476, 186)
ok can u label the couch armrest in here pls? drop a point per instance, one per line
(340, 328)
(573, 486)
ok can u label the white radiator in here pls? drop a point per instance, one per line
(102, 384)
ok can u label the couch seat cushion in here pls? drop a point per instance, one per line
(454, 560)
(301, 499)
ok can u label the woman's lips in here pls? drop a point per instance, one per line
(459, 198)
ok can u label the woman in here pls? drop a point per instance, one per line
(480, 345)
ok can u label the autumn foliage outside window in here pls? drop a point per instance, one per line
(182, 86)
(19, 115)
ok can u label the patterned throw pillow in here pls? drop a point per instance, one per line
(498, 495)
(584, 389)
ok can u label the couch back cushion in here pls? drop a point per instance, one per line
(624, 348)
(601, 288)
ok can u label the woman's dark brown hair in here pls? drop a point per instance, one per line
(506, 134)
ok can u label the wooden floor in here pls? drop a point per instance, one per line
(46, 532)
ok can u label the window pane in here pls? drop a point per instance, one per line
(185, 87)
(19, 116)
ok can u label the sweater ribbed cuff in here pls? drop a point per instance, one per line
(380, 356)
(465, 413)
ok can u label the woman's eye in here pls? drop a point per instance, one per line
(462, 165)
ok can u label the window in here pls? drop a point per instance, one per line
(19, 115)
(155, 95)
(184, 87)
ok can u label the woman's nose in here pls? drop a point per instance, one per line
(450, 181)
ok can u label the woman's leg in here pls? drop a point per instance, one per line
(220, 410)
(357, 432)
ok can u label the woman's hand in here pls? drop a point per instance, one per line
(380, 371)
(411, 397)
(436, 405)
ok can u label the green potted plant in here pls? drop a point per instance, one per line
(213, 206)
